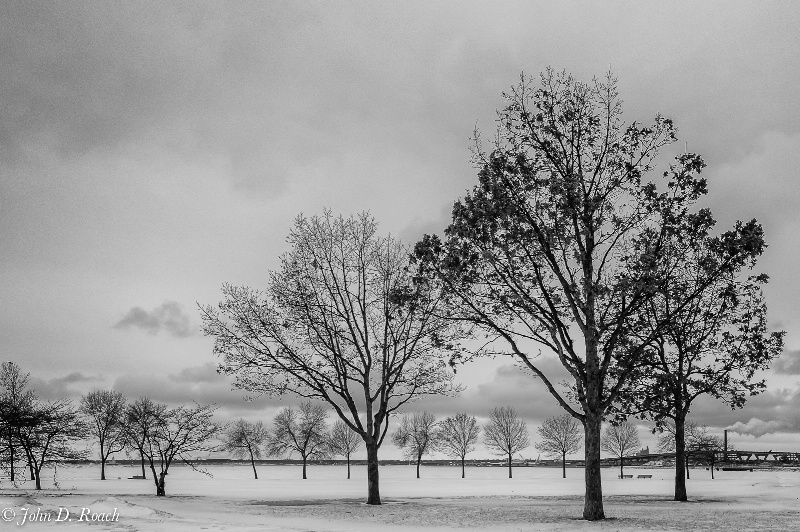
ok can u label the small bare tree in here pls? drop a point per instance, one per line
(620, 440)
(105, 411)
(244, 440)
(416, 435)
(343, 441)
(561, 436)
(302, 431)
(506, 433)
(47, 432)
(457, 436)
(142, 417)
(177, 434)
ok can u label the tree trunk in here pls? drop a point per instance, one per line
(563, 465)
(38, 477)
(348, 467)
(621, 467)
(253, 463)
(33, 474)
(141, 454)
(159, 486)
(304, 467)
(102, 467)
(462, 467)
(373, 489)
(11, 458)
(161, 490)
(687, 467)
(419, 459)
(509, 465)
(680, 458)
(593, 498)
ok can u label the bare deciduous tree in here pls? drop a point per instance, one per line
(343, 321)
(343, 441)
(457, 436)
(244, 440)
(15, 400)
(416, 435)
(47, 433)
(141, 419)
(506, 433)
(105, 411)
(620, 440)
(178, 433)
(561, 436)
(302, 430)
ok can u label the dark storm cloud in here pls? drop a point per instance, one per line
(200, 384)
(788, 363)
(771, 411)
(71, 386)
(169, 317)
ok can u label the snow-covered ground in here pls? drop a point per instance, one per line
(535, 499)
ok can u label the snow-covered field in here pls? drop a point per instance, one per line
(535, 499)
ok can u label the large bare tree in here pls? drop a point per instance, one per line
(620, 440)
(302, 430)
(416, 436)
(244, 439)
(457, 436)
(506, 433)
(105, 411)
(560, 436)
(341, 321)
(562, 242)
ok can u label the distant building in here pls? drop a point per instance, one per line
(644, 452)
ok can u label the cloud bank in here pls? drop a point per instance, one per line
(756, 427)
(169, 317)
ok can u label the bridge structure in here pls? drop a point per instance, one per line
(717, 457)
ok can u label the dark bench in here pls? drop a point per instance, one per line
(626, 476)
(644, 476)
(136, 477)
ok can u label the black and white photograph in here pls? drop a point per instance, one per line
(400, 266)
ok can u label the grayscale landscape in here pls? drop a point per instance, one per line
(404, 266)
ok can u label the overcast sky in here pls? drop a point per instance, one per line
(151, 151)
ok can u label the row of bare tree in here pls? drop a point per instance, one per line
(36, 432)
(419, 434)
(302, 430)
(506, 434)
